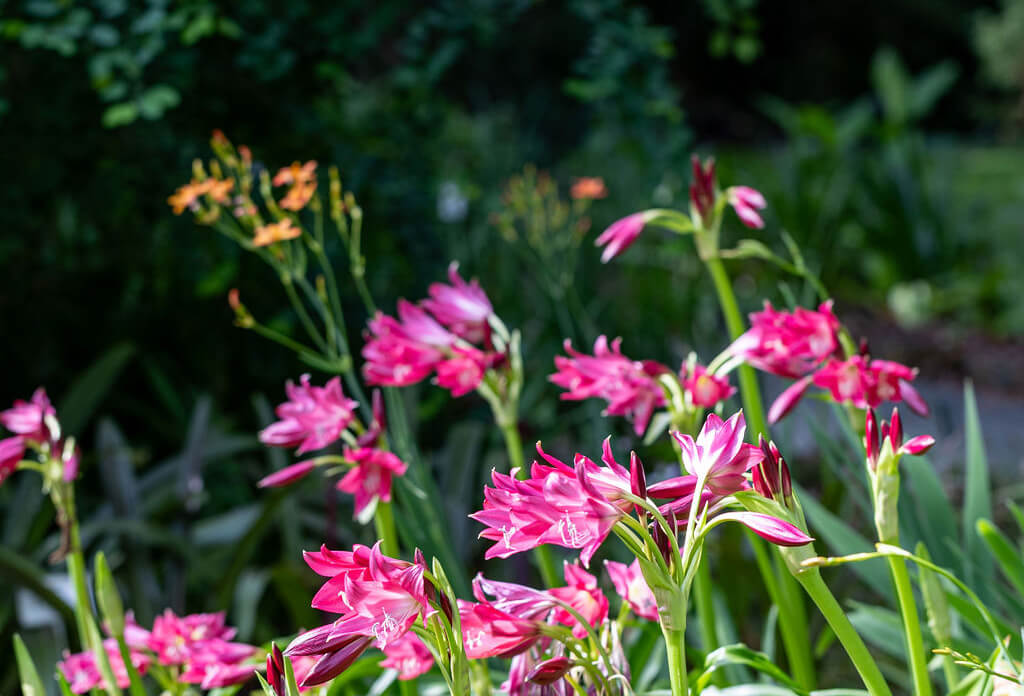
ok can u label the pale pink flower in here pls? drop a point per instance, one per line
(621, 234)
(629, 386)
(630, 584)
(12, 449)
(490, 632)
(705, 389)
(409, 656)
(312, 418)
(370, 478)
(404, 351)
(28, 417)
(769, 528)
(746, 202)
(463, 373)
(584, 596)
(788, 344)
(462, 307)
(719, 455)
(866, 383)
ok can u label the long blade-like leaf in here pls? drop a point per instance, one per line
(977, 498)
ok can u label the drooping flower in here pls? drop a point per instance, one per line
(584, 596)
(403, 351)
(788, 344)
(462, 307)
(588, 188)
(629, 386)
(705, 389)
(312, 418)
(370, 478)
(287, 475)
(273, 232)
(630, 584)
(746, 202)
(490, 632)
(378, 599)
(409, 656)
(621, 234)
(719, 455)
(867, 383)
(28, 418)
(12, 449)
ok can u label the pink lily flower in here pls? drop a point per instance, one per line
(12, 450)
(371, 477)
(746, 202)
(702, 188)
(287, 475)
(769, 528)
(719, 455)
(518, 600)
(519, 682)
(83, 673)
(462, 307)
(630, 387)
(788, 344)
(705, 389)
(621, 234)
(549, 671)
(584, 596)
(28, 417)
(462, 373)
(312, 418)
(490, 632)
(409, 656)
(867, 383)
(176, 639)
(403, 351)
(630, 584)
(210, 672)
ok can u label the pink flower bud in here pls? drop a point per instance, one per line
(549, 671)
(896, 430)
(637, 479)
(287, 475)
(917, 445)
(871, 437)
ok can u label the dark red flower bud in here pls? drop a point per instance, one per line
(896, 430)
(871, 437)
(332, 664)
(549, 671)
(446, 607)
(637, 478)
(702, 190)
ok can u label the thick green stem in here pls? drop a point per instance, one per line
(704, 601)
(749, 390)
(76, 569)
(675, 648)
(384, 522)
(542, 554)
(911, 627)
(841, 626)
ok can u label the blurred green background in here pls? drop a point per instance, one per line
(886, 140)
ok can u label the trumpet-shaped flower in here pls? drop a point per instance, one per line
(403, 351)
(287, 475)
(788, 344)
(746, 202)
(705, 389)
(630, 584)
(718, 455)
(621, 234)
(867, 383)
(584, 596)
(462, 307)
(83, 672)
(629, 386)
(371, 476)
(409, 656)
(462, 373)
(490, 632)
(177, 639)
(312, 418)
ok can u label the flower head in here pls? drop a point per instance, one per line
(866, 383)
(630, 584)
(409, 656)
(788, 344)
(705, 389)
(370, 478)
(584, 596)
(588, 188)
(83, 673)
(462, 307)
(312, 418)
(296, 174)
(702, 188)
(718, 455)
(746, 202)
(621, 234)
(629, 386)
(276, 232)
(28, 418)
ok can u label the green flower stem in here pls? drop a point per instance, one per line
(300, 310)
(841, 626)
(384, 522)
(542, 554)
(911, 626)
(675, 647)
(791, 623)
(703, 599)
(76, 569)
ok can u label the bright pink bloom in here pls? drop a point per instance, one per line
(629, 386)
(575, 507)
(549, 671)
(28, 417)
(704, 388)
(788, 344)
(287, 475)
(788, 399)
(746, 202)
(519, 678)
(371, 476)
(312, 418)
(867, 383)
(70, 458)
(210, 672)
(892, 431)
(584, 596)
(12, 449)
(403, 351)
(462, 307)
(769, 528)
(462, 373)
(620, 234)
(83, 673)
(409, 656)
(176, 639)
(490, 632)
(719, 455)
(378, 598)
(630, 584)
(518, 600)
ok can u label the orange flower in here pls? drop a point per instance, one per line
(188, 196)
(275, 232)
(298, 195)
(588, 188)
(218, 190)
(296, 174)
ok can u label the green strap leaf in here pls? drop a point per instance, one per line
(31, 684)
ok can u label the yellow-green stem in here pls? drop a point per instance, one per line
(911, 627)
(865, 665)
(675, 648)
